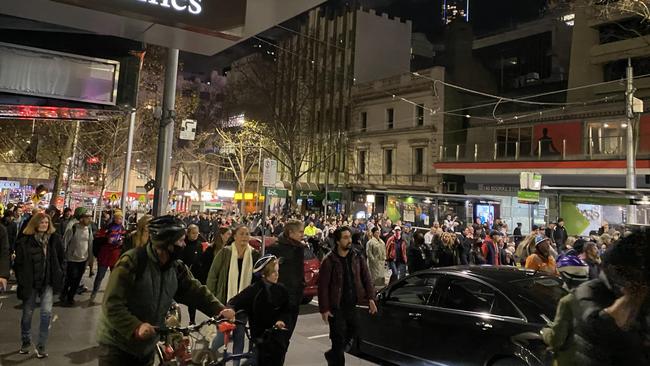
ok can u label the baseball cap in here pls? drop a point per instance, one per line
(397, 228)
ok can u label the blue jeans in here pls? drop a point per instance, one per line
(101, 272)
(398, 270)
(238, 336)
(46, 315)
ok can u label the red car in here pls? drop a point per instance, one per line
(311, 266)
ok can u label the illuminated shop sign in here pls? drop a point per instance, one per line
(203, 16)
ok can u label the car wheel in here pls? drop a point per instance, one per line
(306, 300)
(508, 361)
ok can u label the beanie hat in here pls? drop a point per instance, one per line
(80, 212)
(540, 239)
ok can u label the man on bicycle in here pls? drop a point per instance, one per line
(141, 288)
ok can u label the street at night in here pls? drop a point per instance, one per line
(325, 182)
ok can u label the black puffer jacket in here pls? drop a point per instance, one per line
(5, 253)
(599, 341)
(34, 269)
(265, 304)
(292, 267)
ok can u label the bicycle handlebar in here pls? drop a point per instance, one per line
(163, 331)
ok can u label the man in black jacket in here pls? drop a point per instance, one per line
(191, 257)
(290, 250)
(343, 284)
(205, 226)
(560, 235)
(611, 326)
(5, 258)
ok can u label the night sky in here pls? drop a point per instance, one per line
(485, 15)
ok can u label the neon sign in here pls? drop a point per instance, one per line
(191, 6)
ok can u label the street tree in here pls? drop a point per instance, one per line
(241, 151)
(284, 107)
(607, 9)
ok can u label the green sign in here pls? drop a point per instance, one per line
(603, 201)
(317, 195)
(334, 196)
(274, 192)
(528, 196)
(213, 205)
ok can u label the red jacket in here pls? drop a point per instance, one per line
(390, 249)
(491, 252)
(330, 281)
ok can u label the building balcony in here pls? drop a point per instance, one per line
(595, 148)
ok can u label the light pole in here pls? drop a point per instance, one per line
(630, 181)
(166, 135)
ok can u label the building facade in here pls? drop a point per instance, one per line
(578, 146)
(392, 145)
(334, 50)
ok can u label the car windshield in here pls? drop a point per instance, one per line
(542, 292)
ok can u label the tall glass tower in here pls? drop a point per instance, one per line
(454, 9)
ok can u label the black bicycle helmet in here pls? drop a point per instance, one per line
(166, 229)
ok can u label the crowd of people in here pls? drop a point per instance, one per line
(217, 271)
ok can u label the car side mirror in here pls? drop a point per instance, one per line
(381, 297)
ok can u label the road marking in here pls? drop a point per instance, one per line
(318, 336)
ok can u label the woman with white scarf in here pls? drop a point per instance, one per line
(230, 273)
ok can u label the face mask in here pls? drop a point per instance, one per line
(175, 253)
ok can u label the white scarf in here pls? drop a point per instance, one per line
(233, 271)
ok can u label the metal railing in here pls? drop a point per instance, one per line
(611, 147)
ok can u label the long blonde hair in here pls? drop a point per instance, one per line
(32, 225)
(141, 234)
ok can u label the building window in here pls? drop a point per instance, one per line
(390, 118)
(364, 121)
(419, 114)
(362, 162)
(418, 161)
(388, 161)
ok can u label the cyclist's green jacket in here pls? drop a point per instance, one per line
(135, 295)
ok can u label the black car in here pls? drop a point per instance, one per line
(469, 315)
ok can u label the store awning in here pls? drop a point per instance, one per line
(598, 191)
(446, 196)
(300, 186)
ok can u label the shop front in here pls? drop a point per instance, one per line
(277, 200)
(310, 201)
(416, 208)
(503, 201)
(585, 214)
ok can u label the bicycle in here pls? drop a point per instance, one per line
(177, 347)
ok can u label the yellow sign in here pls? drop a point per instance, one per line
(114, 197)
(142, 199)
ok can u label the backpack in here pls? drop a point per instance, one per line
(90, 232)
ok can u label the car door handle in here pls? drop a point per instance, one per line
(415, 316)
(484, 325)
